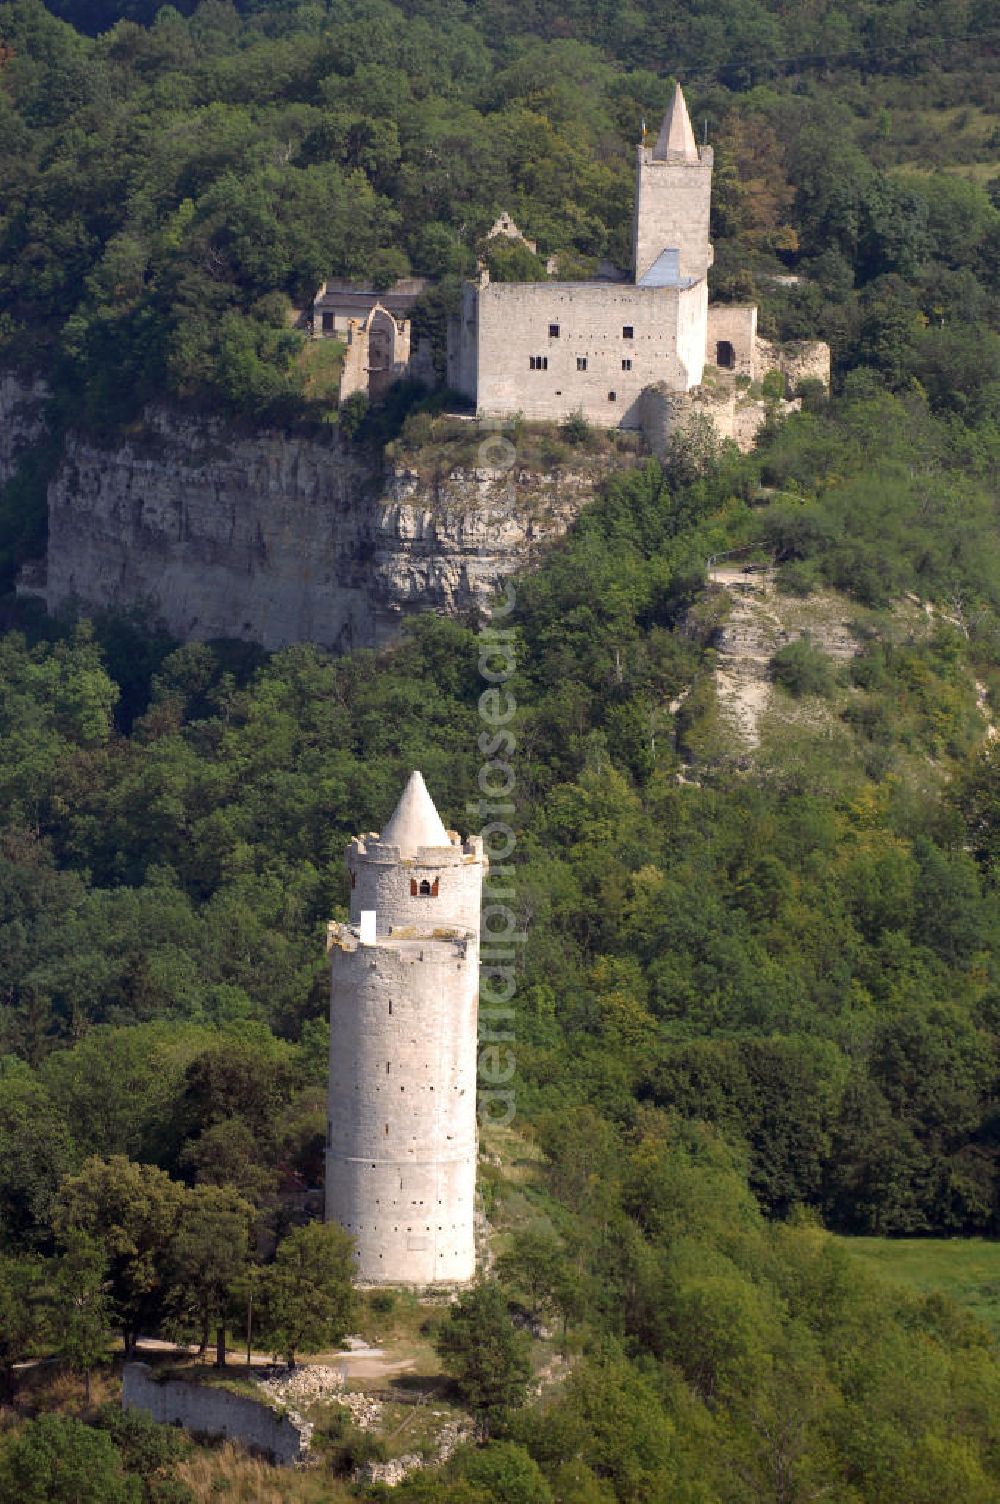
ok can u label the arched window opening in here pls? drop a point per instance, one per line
(425, 889)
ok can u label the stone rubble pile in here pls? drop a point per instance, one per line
(299, 1387)
(365, 1411)
(396, 1469)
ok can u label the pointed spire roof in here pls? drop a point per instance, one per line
(676, 139)
(415, 822)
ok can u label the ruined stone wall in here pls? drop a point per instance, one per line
(212, 1411)
(733, 414)
(797, 360)
(278, 539)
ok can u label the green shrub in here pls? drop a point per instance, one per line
(797, 577)
(802, 668)
(576, 429)
(353, 411)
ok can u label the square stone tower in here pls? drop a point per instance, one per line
(673, 198)
(402, 1136)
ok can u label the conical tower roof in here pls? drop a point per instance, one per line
(415, 822)
(676, 139)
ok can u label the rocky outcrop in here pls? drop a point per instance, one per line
(279, 539)
(761, 621)
(23, 401)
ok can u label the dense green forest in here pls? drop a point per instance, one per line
(759, 999)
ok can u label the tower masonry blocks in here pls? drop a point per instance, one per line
(402, 1138)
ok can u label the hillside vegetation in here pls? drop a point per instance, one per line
(758, 1003)
(753, 996)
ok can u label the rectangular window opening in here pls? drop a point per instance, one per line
(581, 362)
(628, 332)
(626, 365)
(612, 396)
(553, 331)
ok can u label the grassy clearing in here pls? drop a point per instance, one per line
(320, 363)
(967, 1269)
(226, 1472)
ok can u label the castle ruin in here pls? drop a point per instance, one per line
(621, 352)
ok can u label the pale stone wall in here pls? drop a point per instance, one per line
(463, 344)
(513, 328)
(402, 1141)
(692, 316)
(354, 371)
(214, 1412)
(672, 206)
(735, 323)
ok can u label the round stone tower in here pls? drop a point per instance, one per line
(401, 1142)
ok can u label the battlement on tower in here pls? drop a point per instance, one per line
(373, 848)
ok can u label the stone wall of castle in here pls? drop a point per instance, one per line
(797, 360)
(735, 325)
(733, 414)
(612, 340)
(212, 1412)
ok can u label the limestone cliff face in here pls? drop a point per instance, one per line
(279, 540)
(22, 418)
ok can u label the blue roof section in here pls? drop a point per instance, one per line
(666, 272)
